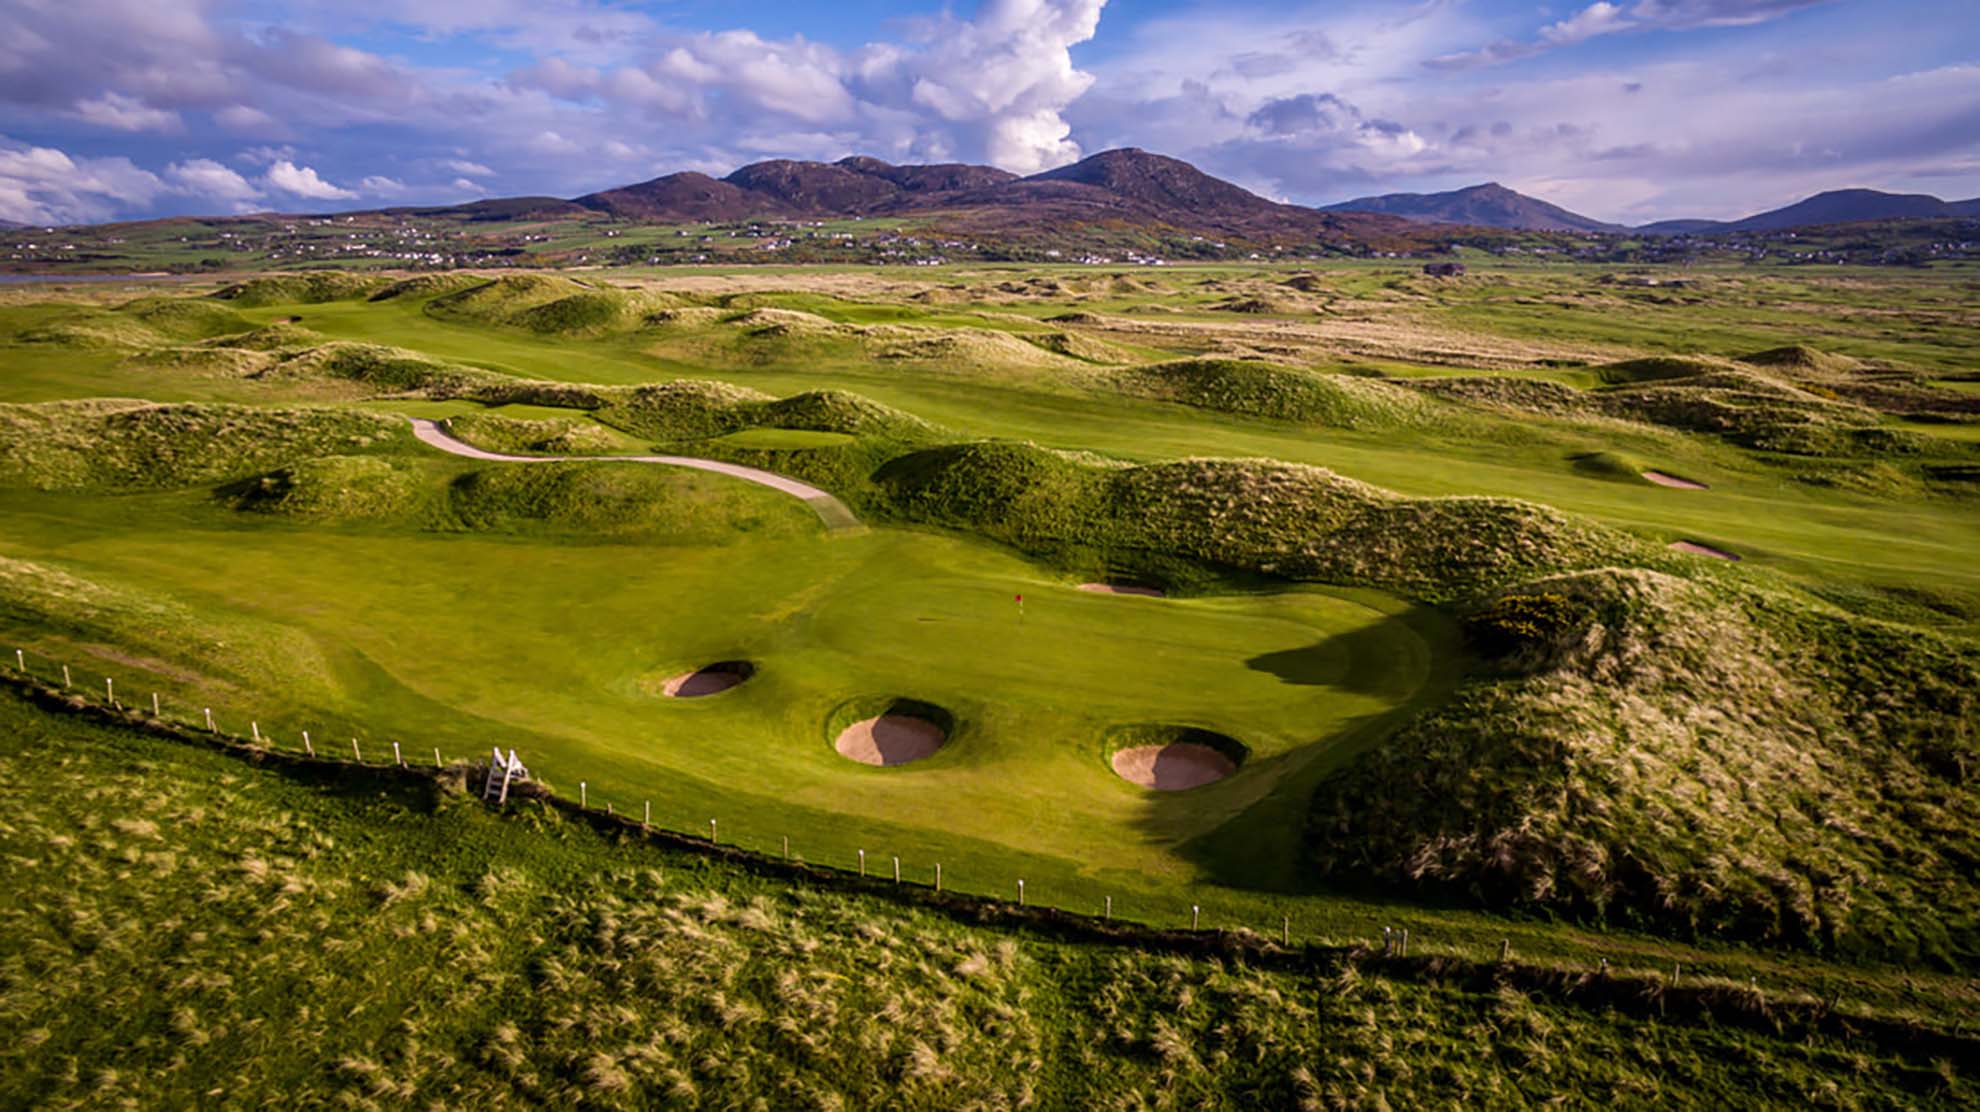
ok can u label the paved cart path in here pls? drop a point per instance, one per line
(834, 513)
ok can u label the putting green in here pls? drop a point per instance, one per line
(562, 648)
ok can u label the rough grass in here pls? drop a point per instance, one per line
(110, 444)
(179, 922)
(1256, 389)
(312, 288)
(552, 436)
(1689, 758)
(1255, 516)
(334, 488)
(620, 500)
(546, 305)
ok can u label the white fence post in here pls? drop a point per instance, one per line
(307, 747)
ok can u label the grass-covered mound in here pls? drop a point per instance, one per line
(1257, 516)
(335, 488)
(178, 920)
(625, 500)
(1685, 757)
(554, 435)
(144, 325)
(183, 318)
(1256, 389)
(548, 305)
(310, 288)
(130, 444)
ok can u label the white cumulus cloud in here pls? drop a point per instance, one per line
(304, 182)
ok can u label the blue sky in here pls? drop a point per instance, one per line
(1627, 110)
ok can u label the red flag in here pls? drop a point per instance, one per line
(1019, 598)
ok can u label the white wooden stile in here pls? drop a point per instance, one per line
(511, 769)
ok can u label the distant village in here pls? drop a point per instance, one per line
(438, 241)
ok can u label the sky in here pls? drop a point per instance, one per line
(1624, 110)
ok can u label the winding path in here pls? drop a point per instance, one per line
(834, 513)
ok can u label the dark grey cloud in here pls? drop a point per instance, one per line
(1303, 113)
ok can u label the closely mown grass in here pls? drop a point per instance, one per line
(182, 924)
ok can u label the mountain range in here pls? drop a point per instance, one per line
(1494, 206)
(1134, 187)
(1125, 186)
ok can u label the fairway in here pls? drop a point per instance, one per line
(459, 640)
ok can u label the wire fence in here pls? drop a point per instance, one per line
(881, 872)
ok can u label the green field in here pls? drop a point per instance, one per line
(1413, 569)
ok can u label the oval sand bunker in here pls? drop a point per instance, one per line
(1177, 766)
(1697, 549)
(1122, 589)
(889, 739)
(1677, 482)
(711, 680)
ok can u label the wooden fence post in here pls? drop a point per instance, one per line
(787, 847)
(256, 727)
(356, 752)
(20, 660)
(1285, 931)
(110, 691)
(711, 833)
(1195, 916)
(154, 705)
(584, 797)
(1505, 950)
(647, 818)
(1109, 913)
(209, 720)
(397, 759)
(307, 747)
(1020, 893)
(897, 870)
(862, 862)
(65, 677)
(938, 876)
(436, 757)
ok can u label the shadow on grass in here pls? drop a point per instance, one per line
(1365, 661)
(1412, 659)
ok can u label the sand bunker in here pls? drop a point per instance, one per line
(1177, 766)
(1697, 549)
(711, 680)
(1663, 480)
(1122, 589)
(889, 739)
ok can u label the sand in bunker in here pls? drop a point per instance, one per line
(890, 739)
(1118, 589)
(1175, 767)
(689, 685)
(1697, 549)
(1664, 480)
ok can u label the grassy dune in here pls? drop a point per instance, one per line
(181, 922)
